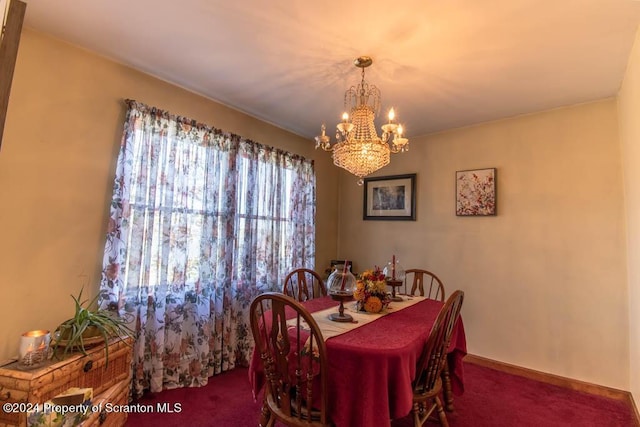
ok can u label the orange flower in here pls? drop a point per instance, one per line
(373, 304)
(367, 275)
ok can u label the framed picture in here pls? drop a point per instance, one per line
(476, 192)
(13, 12)
(390, 198)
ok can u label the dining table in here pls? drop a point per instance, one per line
(372, 365)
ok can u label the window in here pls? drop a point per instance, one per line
(201, 222)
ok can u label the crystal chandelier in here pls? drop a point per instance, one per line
(358, 149)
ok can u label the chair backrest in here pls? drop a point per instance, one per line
(434, 353)
(426, 282)
(294, 357)
(304, 284)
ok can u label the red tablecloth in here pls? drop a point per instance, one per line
(371, 367)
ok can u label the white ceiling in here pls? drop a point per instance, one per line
(441, 63)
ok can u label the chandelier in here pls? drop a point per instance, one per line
(358, 149)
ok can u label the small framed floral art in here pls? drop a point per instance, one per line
(476, 192)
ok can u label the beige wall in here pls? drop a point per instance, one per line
(57, 162)
(629, 114)
(545, 280)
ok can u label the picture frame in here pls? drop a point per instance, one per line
(13, 12)
(390, 198)
(476, 193)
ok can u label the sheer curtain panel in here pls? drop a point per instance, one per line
(201, 221)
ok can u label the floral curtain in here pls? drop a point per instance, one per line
(201, 222)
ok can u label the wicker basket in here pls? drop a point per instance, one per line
(55, 377)
(117, 395)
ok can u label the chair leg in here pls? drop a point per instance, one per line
(418, 415)
(423, 410)
(265, 415)
(441, 414)
(447, 394)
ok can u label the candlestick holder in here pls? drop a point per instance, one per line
(395, 284)
(340, 316)
(395, 276)
(341, 284)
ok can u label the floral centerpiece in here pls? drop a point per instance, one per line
(371, 291)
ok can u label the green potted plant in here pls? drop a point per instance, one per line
(90, 326)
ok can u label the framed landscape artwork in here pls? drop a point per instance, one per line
(390, 198)
(476, 192)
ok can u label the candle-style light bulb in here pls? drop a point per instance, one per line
(345, 117)
(392, 115)
(389, 128)
(399, 141)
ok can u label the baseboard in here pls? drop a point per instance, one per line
(569, 383)
(635, 409)
(544, 377)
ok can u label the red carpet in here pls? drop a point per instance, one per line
(491, 398)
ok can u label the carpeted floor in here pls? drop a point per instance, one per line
(491, 398)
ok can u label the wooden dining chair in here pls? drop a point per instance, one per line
(294, 358)
(426, 282)
(428, 381)
(304, 284)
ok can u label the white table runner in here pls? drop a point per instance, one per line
(329, 328)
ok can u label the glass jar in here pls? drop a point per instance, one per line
(341, 282)
(394, 271)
